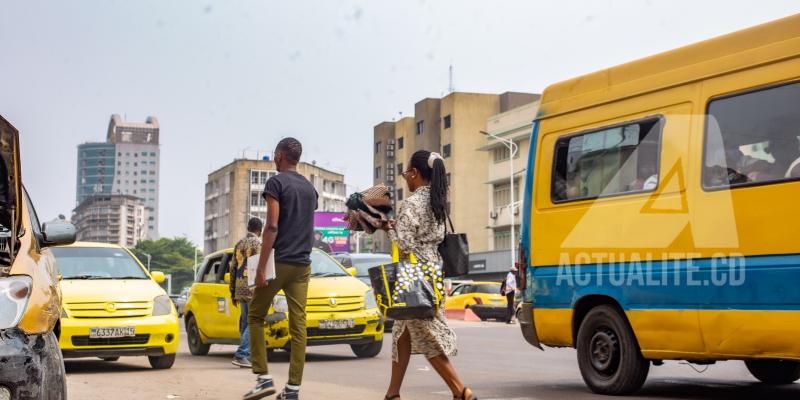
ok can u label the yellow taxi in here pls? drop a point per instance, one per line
(340, 309)
(472, 293)
(112, 306)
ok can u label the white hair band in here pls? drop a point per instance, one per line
(433, 158)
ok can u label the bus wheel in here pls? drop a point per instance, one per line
(608, 354)
(774, 372)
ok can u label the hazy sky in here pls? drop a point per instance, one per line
(225, 77)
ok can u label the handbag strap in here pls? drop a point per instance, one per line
(452, 229)
(396, 254)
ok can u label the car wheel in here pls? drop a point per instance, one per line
(774, 372)
(162, 362)
(54, 382)
(367, 350)
(110, 359)
(196, 345)
(608, 355)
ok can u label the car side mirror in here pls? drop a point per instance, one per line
(227, 277)
(58, 233)
(352, 271)
(158, 276)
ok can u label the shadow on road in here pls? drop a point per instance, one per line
(90, 366)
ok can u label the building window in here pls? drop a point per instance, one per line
(420, 127)
(446, 151)
(446, 121)
(400, 169)
(400, 143)
(501, 154)
(614, 160)
(399, 194)
(502, 194)
(377, 172)
(753, 138)
(377, 147)
(502, 238)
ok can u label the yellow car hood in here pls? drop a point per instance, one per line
(107, 290)
(345, 286)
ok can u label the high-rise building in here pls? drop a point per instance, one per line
(233, 196)
(111, 218)
(451, 126)
(127, 163)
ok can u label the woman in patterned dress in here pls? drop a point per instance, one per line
(419, 228)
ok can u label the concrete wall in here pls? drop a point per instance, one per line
(428, 112)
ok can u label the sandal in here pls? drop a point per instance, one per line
(395, 397)
(464, 395)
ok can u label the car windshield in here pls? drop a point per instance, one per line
(485, 288)
(322, 265)
(97, 263)
(364, 264)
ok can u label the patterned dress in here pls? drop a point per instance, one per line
(418, 232)
(249, 246)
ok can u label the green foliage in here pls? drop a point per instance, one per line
(171, 256)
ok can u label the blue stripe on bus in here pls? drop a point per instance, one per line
(527, 200)
(743, 283)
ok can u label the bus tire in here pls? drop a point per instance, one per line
(608, 353)
(774, 372)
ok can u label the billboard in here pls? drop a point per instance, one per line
(333, 230)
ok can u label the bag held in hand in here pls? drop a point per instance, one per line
(454, 250)
(407, 289)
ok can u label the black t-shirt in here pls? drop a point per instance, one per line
(298, 201)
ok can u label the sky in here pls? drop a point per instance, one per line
(230, 78)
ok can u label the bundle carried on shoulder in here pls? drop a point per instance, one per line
(369, 210)
(407, 289)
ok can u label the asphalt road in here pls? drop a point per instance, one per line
(493, 360)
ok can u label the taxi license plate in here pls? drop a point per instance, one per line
(102, 333)
(337, 324)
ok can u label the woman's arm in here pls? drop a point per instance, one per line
(405, 228)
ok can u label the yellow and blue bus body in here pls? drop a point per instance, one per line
(667, 189)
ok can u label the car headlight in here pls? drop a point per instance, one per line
(162, 305)
(369, 300)
(14, 294)
(280, 304)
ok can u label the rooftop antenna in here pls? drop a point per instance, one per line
(452, 87)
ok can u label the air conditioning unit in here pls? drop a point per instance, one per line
(390, 154)
(390, 178)
(390, 146)
(391, 141)
(493, 214)
(516, 210)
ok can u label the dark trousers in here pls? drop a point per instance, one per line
(510, 307)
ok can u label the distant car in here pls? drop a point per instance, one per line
(362, 262)
(483, 298)
(183, 298)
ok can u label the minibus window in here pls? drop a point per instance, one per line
(615, 160)
(753, 138)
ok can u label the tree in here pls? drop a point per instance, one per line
(171, 256)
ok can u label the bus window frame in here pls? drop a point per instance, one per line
(660, 123)
(743, 92)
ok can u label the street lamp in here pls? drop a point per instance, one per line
(195, 261)
(149, 257)
(512, 149)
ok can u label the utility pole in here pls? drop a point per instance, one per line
(512, 150)
(149, 257)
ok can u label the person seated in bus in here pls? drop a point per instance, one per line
(730, 173)
(784, 154)
(647, 178)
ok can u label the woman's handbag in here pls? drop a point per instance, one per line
(454, 250)
(407, 289)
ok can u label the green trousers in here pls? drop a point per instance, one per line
(293, 280)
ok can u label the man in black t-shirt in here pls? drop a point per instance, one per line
(291, 202)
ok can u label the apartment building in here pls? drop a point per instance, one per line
(111, 218)
(127, 163)
(451, 126)
(233, 196)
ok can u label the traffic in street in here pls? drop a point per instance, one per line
(492, 355)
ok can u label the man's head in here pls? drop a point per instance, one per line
(317, 235)
(254, 225)
(287, 153)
